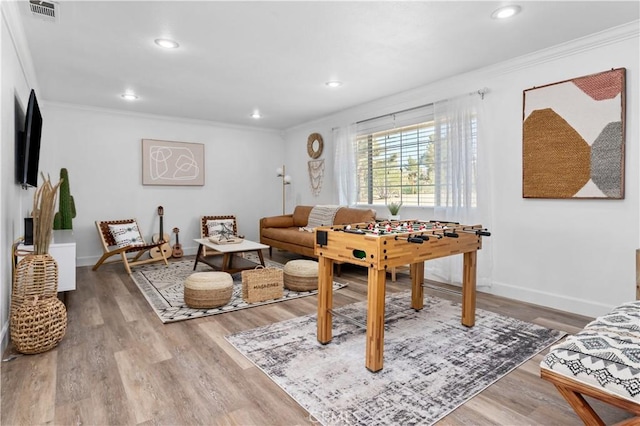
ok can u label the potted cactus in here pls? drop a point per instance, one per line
(67, 207)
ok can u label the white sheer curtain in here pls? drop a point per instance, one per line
(464, 194)
(344, 140)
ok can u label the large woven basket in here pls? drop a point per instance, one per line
(38, 325)
(261, 284)
(35, 275)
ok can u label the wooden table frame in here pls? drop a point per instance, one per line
(226, 260)
(383, 252)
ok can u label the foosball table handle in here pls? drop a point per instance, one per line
(451, 235)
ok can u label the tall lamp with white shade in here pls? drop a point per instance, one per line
(286, 180)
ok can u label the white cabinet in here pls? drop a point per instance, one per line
(63, 250)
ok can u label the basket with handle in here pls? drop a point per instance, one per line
(262, 284)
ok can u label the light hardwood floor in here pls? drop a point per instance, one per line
(119, 365)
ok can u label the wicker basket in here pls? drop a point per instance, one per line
(261, 284)
(38, 325)
(35, 275)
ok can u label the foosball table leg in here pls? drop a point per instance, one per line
(325, 299)
(469, 289)
(375, 319)
(417, 280)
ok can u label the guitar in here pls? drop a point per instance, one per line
(165, 248)
(177, 247)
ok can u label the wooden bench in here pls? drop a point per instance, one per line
(603, 362)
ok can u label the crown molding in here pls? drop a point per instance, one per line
(603, 38)
(134, 114)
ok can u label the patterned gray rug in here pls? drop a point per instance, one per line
(163, 287)
(432, 363)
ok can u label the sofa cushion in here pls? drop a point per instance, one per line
(285, 221)
(289, 235)
(301, 215)
(348, 215)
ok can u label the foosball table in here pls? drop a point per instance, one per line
(382, 245)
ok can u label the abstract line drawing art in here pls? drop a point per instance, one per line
(172, 163)
(573, 138)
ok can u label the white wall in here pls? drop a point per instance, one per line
(16, 81)
(574, 255)
(102, 151)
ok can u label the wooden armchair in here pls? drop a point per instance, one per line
(204, 227)
(111, 248)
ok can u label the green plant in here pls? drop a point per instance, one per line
(394, 207)
(67, 207)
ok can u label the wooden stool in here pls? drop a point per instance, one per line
(203, 290)
(301, 275)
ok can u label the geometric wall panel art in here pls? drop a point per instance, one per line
(573, 138)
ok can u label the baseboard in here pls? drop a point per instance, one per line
(91, 260)
(551, 300)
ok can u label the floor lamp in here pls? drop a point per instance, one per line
(286, 180)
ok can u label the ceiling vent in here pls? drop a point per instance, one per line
(47, 10)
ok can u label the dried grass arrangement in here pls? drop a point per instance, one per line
(38, 318)
(44, 202)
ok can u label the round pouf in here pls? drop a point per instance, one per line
(208, 289)
(301, 275)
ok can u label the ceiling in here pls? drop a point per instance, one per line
(236, 57)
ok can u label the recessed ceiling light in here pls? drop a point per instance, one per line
(506, 12)
(256, 114)
(166, 43)
(333, 83)
(129, 96)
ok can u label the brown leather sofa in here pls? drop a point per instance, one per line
(284, 232)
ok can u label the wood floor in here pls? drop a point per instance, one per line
(119, 365)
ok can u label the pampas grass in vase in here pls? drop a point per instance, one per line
(44, 201)
(36, 275)
(38, 318)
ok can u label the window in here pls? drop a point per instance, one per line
(408, 164)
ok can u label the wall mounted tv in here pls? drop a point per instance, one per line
(28, 145)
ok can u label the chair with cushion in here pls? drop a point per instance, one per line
(122, 237)
(211, 226)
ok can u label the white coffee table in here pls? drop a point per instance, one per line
(225, 257)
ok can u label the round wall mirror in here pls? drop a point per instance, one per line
(315, 144)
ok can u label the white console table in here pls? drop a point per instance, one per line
(63, 250)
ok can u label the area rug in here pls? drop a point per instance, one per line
(163, 287)
(432, 363)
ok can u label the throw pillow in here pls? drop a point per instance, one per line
(220, 228)
(126, 234)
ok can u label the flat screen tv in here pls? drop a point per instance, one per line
(28, 146)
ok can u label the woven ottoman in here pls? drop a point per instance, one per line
(208, 289)
(301, 275)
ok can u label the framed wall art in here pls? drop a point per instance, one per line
(172, 163)
(573, 138)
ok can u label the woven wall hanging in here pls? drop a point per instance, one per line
(316, 175)
(573, 138)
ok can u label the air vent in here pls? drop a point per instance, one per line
(44, 9)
